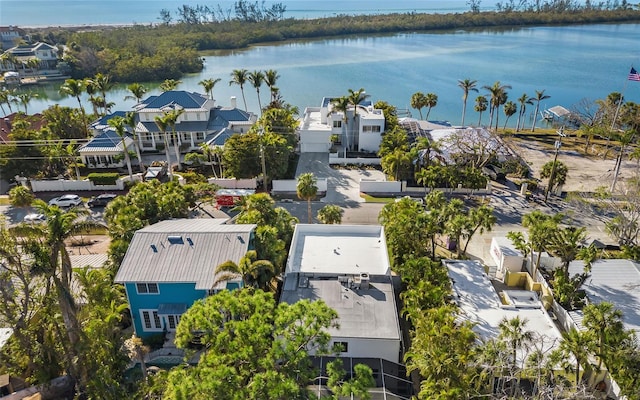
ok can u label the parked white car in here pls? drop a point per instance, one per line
(68, 200)
(34, 218)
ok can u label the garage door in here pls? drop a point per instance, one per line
(314, 147)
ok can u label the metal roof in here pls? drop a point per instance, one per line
(174, 97)
(615, 281)
(106, 141)
(156, 255)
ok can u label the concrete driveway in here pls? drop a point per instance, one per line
(343, 185)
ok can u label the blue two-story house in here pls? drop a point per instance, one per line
(171, 264)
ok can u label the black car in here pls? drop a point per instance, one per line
(101, 200)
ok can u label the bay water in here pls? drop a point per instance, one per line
(571, 64)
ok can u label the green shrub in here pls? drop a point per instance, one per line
(104, 178)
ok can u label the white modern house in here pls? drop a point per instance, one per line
(200, 121)
(360, 129)
(347, 267)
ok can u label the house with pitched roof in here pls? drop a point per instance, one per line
(362, 133)
(10, 36)
(171, 264)
(200, 121)
(45, 54)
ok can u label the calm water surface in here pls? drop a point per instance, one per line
(569, 63)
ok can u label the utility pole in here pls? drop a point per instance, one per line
(557, 145)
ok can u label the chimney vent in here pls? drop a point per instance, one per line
(234, 102)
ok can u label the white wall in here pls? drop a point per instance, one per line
(234, 183)
(371, 186)
(387, 349)
(63, 185)
(289, 185)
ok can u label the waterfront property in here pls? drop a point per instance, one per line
(10, 36)
(171, 264)
(200, 121)
(359, 129)
(43, 56)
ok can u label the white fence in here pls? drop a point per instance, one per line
(234, 183)
(64, 185)
(375, 186)
(334, 158)
(400, 187)
(289, 185)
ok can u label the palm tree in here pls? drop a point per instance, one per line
(395, 162)
(208, 85)
(430, 100)
(565, 244)
(341, 104)
(162, 123)
(605, 322)
(467, 86)
(538, 98)
(102, 84)
(355, 98)
(423, 147)
(60, 226)
(523, 101)
(131, 122)
(578, 344)
(118, 123)
(256, 78)
(270, 78)
(498, 97)
(514, 332)
(137, 92)
(239, 77)
(75, 88)
(418, 101)
(307, 189)
(330, 214)
(169, 85)
(480, 107)
(171, 118)
(91, 90)
(25, 99)
(208, 151)
(5, 98)
(510, 108)
(254, 272)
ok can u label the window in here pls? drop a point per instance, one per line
(151, 320)
(371, 128)
(147, 288)
(173, 321)
(200, 136)
(337, 124)
(342, 347)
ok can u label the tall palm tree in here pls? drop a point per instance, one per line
(208, 85)
(423, 147)
(579, 345)
(498, 97)
(90, 88)
(418, 101)
(239, 77)
(137, 91)
(514, 332)
(208, 151)
(307, 189)
(510, 108)
(103, 83)
(430, 101)
(169, 85)
(467, 85)
(523, 101)
(118, 123)
(25, 99)
(538, 98)
(171, 118)
(254, 272)
(131, 121)
(480, 107)
(355, 98)
(395, 162)
(75, 88)
(5, 98)
(270, 78)
(605, 321)
(256, 78)
(163, 124)
(341, 104)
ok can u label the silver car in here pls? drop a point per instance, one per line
(68, 200)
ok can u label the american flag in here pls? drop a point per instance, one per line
(634, 75)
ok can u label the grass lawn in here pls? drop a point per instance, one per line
(371, 199)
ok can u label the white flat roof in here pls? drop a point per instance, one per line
(362, 313)
(338, 250)
(481, 305)
(615, 281)
(312, 120)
